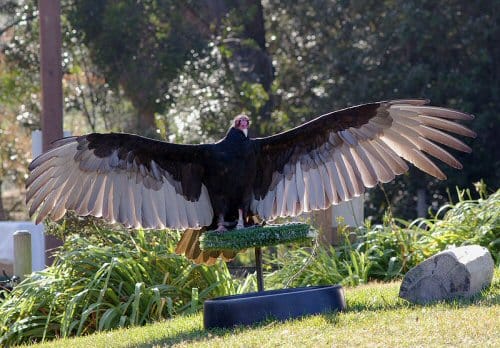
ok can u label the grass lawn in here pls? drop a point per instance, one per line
(375, 317)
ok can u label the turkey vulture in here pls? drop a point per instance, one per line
(141, 182)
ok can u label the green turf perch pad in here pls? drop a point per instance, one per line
(257, 236)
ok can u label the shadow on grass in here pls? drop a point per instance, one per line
(186, 336)
(488, 297)
(376, 301)
(383, 302)
(197, 335)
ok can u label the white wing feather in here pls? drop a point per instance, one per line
(362, 157)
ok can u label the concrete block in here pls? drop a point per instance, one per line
(455, 273)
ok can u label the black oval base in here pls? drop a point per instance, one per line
(246, 309)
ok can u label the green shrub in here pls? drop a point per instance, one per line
(118, 279)
(392, 248)
(466, 222)
(321, 265)
(389, 250)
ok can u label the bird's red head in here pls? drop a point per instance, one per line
(241, 122)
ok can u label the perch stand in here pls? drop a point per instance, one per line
(283, 304)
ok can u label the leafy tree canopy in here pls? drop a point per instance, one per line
(188, 67)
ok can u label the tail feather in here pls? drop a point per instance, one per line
(189, 246)
(187, 240)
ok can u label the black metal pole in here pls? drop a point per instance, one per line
(258, 267)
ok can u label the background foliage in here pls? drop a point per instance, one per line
(181, 71)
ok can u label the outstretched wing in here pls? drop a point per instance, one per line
(335, 156)
(123, 178)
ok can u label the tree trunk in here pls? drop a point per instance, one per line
(255, 60)
(256, 30)
(146, 125)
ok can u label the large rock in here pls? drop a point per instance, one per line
(459, 272)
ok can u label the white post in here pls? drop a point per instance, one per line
(36, 143)
(22, 253)
(352, 212)
(352, 215)
(327, 221)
